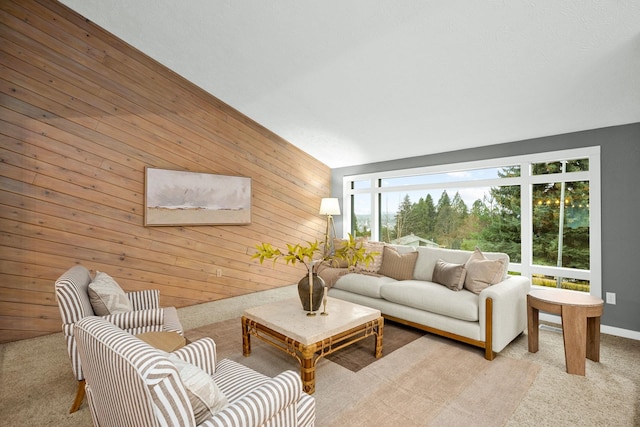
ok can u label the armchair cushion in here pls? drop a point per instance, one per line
(205, 396)
(107, 297)
(163, 340)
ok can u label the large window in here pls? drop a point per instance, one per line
(543, 210)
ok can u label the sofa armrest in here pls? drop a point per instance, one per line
(201, 353)
(144, 300)
(273, 401)
(330, 275)
(509, 317)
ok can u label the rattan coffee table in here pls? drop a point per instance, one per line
(285, 325)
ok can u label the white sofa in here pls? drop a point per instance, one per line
(490, 319)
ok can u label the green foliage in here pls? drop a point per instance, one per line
(494, 223)
(564, 284)
(352, 251)
(295, 253)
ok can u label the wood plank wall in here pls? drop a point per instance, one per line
(82, 114)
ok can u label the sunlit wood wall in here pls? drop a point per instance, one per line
(82, 114)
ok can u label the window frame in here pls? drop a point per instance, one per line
(526, 180)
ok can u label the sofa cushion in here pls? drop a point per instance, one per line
(449, 274)
(106, 296)
(205, 396)
(397, 266)
(432, 297)
(483, 272)
(428, 256)
(363, 284)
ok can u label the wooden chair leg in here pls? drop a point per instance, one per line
(79, 397)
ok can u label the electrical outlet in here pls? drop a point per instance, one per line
(219, 272)
(611, 298)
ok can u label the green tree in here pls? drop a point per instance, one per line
(460, 214)
(499, 218)
(415, 220)
(547, 217)
(445, 221)
(403, 216)
(429, 218)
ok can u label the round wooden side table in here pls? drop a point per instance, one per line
(580, 324)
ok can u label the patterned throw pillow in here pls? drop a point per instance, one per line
(450, 275)
(374, 266)
(107, 297)
(483, 272)
(397, 266)
(204, 394)
(339, 263)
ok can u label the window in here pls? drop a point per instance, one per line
(542, 209)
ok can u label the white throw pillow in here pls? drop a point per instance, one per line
(204, 394)
(107, 297)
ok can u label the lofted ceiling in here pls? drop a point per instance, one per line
(359, 81)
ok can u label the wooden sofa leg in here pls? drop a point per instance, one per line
(79, 397)
(489, 354)
(488, 332)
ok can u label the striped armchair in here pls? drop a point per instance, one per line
(131, 383)
(73, 300)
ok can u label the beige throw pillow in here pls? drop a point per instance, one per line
(106, 296)
(450, 275)
(204, 394)
(397, 266)
(483, 272)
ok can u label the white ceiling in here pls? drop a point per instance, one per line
(359, 81)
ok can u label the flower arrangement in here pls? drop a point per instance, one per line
(351, 251)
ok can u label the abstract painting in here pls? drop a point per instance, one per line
(193, 198)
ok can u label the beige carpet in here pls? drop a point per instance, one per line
(428, 382)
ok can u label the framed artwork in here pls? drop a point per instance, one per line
(193, 198)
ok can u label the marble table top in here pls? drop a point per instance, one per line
(288, 318)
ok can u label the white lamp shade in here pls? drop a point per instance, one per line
(329, 206)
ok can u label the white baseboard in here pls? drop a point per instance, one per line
(619, 332)
(610, 330)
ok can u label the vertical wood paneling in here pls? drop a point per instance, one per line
(81, 115)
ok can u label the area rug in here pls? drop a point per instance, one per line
(362, 353)
(353, 357)
(428, 380)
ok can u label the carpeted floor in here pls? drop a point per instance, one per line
(421, 380)
(428, 381)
